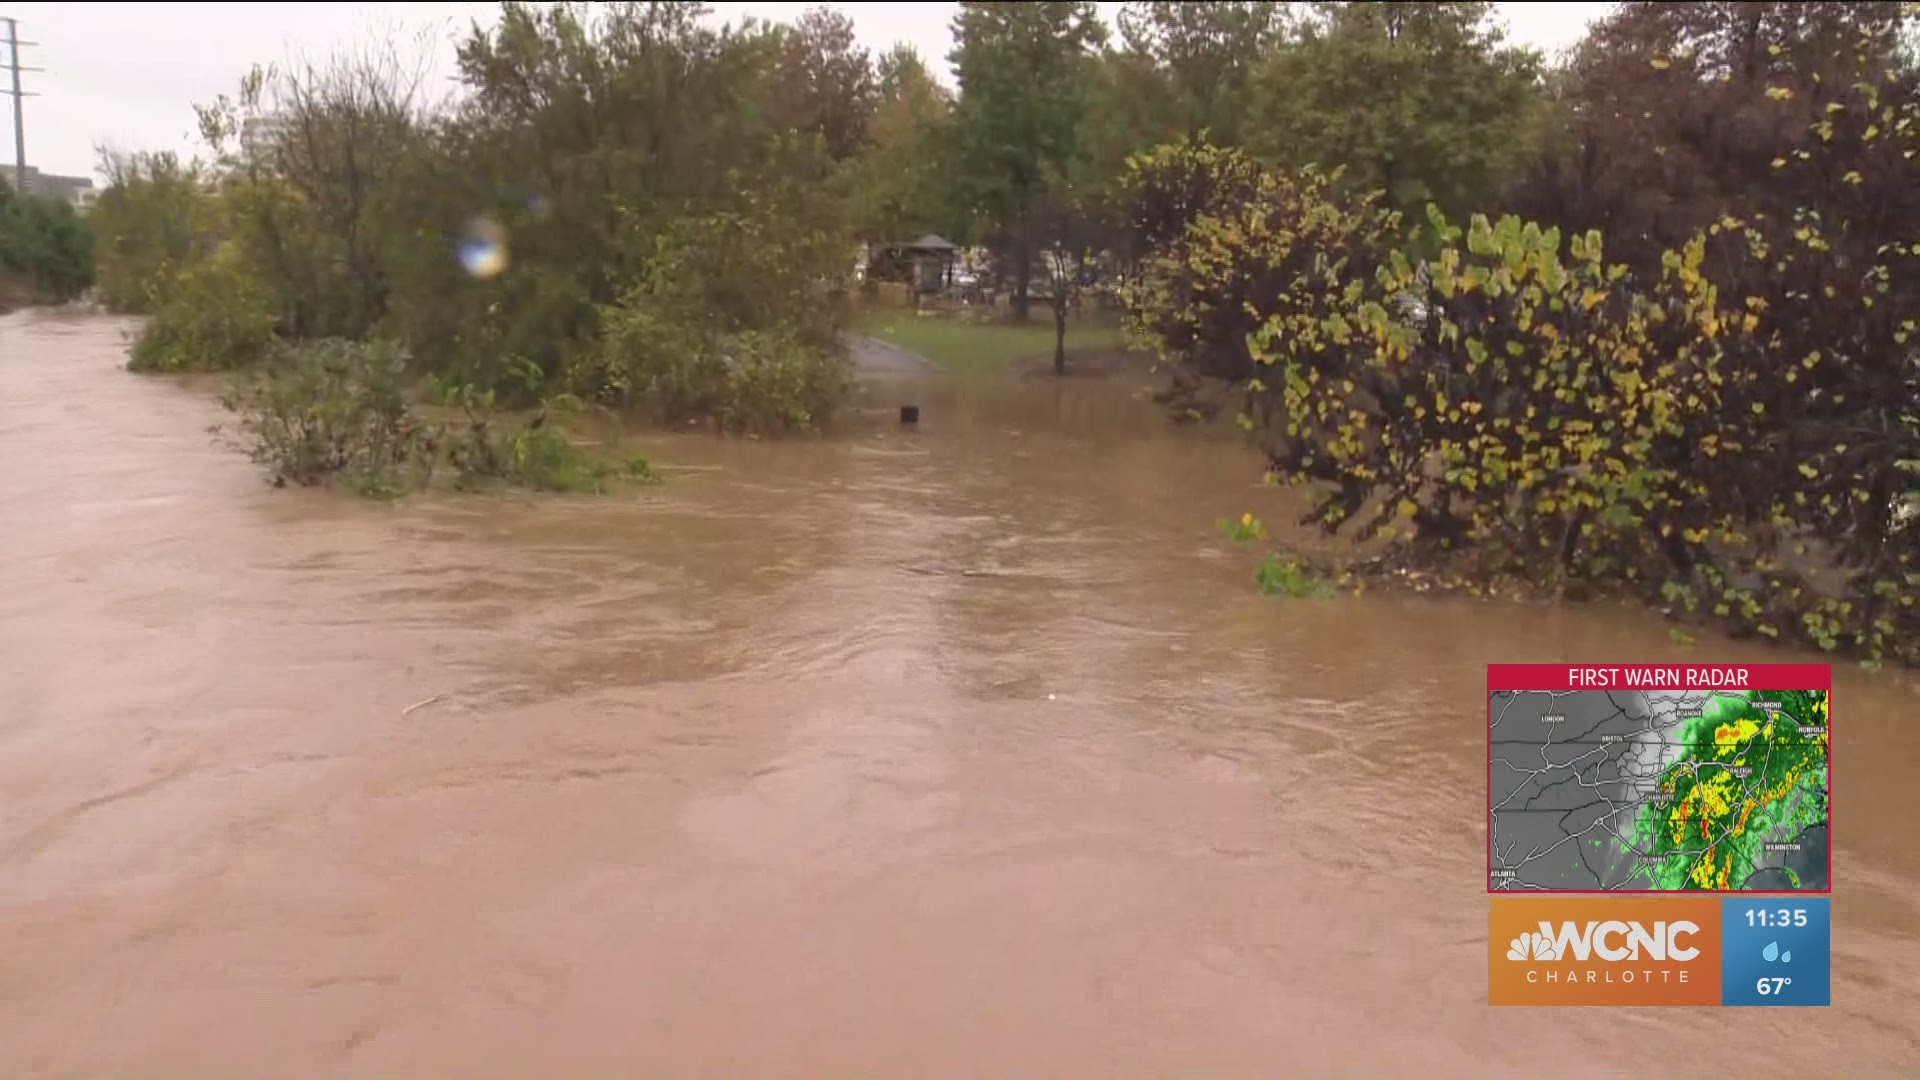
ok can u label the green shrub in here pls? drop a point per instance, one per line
(736, 321)
(746, 381)
(213, 315)
(545, 459)
(1229, 243)
(338, 410)
(334, 409)
(1278, 575)
(540, 454)
(779, 382)
(647, 358)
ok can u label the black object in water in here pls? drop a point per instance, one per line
(909, 414)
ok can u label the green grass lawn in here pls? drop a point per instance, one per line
(970, 346)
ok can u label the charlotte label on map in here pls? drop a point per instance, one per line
(1658, 778)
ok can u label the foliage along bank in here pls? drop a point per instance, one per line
(46, 250)
(1731, 432)
(625, 206)
(617, 205)
(1640, 319)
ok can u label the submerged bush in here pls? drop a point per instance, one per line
(777, 381)
(340, 410)
(540, 454)
(335, 408)
(748, 381)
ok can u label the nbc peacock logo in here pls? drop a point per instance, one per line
(1532, 945)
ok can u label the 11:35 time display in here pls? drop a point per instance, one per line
(1777, 917)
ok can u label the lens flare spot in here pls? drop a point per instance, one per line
(483, 248)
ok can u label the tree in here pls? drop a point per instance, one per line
(1070, 231)
(585, 133)
(151, 216)
(1426, 102)
(1671, 115)
(899, 186)
(634, 162)
(1023, 71)
(826, 82)
(346, 131)
(45, 242)
(309, 162)
(1205, 56)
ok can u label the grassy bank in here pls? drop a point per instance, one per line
(968, 345)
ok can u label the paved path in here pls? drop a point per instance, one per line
(871, 356)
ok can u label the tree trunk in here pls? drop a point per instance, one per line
(1059, 330)
(1022, 278)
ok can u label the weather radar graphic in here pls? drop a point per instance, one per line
(1657, 790)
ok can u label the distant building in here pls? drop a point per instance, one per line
(76, 191)
(926, 264)
(261, 133)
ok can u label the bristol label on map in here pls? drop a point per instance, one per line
(1658, 778)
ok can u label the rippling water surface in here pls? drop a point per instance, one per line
(963, 752)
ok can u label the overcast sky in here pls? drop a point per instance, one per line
(127, 75)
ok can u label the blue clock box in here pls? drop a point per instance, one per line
(1776, 951)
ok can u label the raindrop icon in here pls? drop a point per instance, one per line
(1771, 952)
(1787, 957)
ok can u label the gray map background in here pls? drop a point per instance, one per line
(1556, 787)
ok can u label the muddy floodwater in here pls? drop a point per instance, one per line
(967, 751)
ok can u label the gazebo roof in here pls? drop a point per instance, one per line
(930, 242)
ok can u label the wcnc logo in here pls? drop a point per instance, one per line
(1611, 951)
(1591, 939)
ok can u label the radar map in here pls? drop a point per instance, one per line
(1654, 790)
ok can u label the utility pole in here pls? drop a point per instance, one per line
(19, 119)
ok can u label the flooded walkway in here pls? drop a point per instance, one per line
(960, 752)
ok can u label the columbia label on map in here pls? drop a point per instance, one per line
(1658, 777)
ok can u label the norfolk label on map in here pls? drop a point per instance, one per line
(1656, 778)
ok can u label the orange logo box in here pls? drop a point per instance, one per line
(1599, 950)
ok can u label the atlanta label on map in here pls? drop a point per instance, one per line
(1656, 778)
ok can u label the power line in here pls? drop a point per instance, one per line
(14, 45)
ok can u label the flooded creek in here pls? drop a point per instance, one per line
(968, 750)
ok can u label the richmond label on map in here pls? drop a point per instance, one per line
(1655, 778)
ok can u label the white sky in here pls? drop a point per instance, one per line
(128, 74)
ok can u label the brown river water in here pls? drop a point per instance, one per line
(962, 752)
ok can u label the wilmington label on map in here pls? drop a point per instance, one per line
(1671, 778)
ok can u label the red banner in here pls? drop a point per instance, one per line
(1659, 677)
